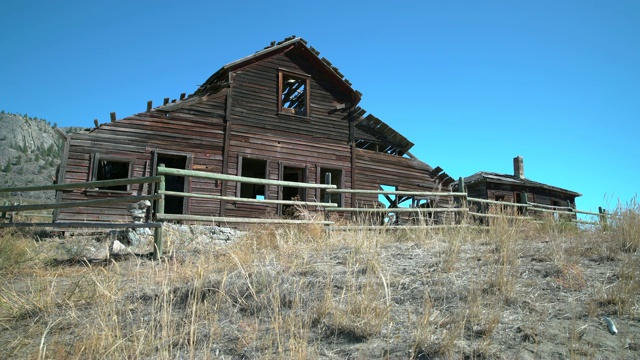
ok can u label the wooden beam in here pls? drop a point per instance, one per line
(250, 200)
(166, 101)
(244, 180)
(85, 203)
(393, 210)
(391, 192)
(182, 96)
(95, 122)
(84, 185)
(83, 225)
(219, 219)
(149, 105)
(113, 116)
(60, 133)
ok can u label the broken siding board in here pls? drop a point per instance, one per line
(374, 169)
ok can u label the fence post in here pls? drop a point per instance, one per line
(603, 217)
(462, 201)
(327, 195)
(524, 200)
(3, 215)
(157, 248)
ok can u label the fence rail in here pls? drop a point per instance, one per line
(419, 216)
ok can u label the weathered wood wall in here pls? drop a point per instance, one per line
(534, 194)
(196, 130)
(254, 94)
(242, 120)
(258, 130)
(374, 169)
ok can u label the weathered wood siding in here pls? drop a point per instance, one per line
(303, 153)
(259, 131)
(534, 194)
(196, 130)
(375, 168)
(254, 95)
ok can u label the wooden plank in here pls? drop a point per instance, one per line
(401, 227)
(85, 203)
(249, 200)
(398, 210)
(504, 203)
(219, 219)
(246, 180)
(83, 225)
(82, 185)
(402, 193)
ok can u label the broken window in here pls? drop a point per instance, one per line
(293, 94)
(499, 197)
(255, 168)
(106, 168)
(336, 179)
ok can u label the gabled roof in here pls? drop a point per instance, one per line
(513, 180)
(220, 78)
(369, 127)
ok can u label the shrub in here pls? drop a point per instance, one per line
(14, 251)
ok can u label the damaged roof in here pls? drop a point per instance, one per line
(512, 180)
(220, 78)
(384, 133)
(368, 128)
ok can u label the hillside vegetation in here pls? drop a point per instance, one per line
(512, 290)
(30, 153)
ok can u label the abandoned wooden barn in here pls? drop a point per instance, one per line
(517, 189)
(282, 113)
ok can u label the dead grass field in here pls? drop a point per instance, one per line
(513, 290)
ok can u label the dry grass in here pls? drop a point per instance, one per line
(509, 290)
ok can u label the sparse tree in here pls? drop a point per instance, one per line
(7, 168)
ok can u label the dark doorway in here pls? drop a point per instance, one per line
(294, 174)
(173, 204)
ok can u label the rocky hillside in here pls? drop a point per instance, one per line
(30, 152)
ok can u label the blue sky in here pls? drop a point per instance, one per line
(471, 83)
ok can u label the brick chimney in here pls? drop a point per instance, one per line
(518, 167)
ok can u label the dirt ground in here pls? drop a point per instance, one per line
(508, 292)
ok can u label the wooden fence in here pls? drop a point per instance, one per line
(465, 210)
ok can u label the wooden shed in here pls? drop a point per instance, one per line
(513, 187)
(282, 113)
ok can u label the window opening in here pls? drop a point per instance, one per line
(254, 168)
(389, 201)
(294, 94)
(110, 169)
(336, 179)
(294, 174)
(519, 200)
(173, 204)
